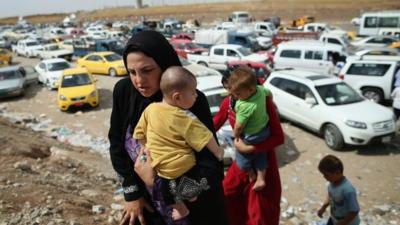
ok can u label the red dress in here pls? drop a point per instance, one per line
(245, 206)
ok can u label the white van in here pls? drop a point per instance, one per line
(310, 55)
(240, 17)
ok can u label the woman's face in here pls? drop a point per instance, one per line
(144, 72)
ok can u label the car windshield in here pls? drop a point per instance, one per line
(338, 94)
(76, 80)
(10, 75)
(244, 51)
(58, 66)
(113, 57)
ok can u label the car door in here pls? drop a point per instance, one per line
(314, 60)
(93, 63)
(306, 113)
(283, 91)
(218, 59)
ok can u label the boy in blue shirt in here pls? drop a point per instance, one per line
(342, 197)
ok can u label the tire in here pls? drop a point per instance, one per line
(333, 137)
(373, 94)
(112, 72)
(202, 63)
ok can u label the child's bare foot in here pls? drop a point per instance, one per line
(252, 175)
(259, 185)
(179, 211)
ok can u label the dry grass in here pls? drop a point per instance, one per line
(327, 10)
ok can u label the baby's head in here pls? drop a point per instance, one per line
(242, 83)
(178, 86)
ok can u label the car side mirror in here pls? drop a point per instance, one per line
(95, 80)
(310, 101)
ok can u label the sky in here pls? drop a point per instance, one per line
(11, 8)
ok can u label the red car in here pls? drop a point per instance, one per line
(260, 69)
(184, 47)
(187, 36)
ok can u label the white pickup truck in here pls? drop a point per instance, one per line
(219, 56)
(52, 51)
(27, 47)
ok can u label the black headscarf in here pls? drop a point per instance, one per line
(153, 44)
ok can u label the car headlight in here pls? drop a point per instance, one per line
(356, 124)
(93, 94)
(63, 98)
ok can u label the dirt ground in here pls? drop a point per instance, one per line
(59, 177)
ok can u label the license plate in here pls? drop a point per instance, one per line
(386, 139)
(78, 104)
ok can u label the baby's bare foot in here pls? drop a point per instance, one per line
(259, 185)
(179, 211)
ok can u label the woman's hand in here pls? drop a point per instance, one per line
(242, 147)
(134, 210)
(143, 167)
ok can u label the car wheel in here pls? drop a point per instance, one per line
(373, 94)
(112, 72)
(333, 137)
(203, 64)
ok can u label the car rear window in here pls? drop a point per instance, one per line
(368, 69)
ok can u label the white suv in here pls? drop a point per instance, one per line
(374, 78)
(328, 106)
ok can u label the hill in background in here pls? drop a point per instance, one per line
(325, 10)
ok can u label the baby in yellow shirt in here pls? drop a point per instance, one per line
(171, 133)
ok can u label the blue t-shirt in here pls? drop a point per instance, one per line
(343, 199)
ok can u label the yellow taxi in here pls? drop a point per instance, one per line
(77, 88)
(5, 56)
(103, 63)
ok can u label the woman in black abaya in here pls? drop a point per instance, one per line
(146, 55)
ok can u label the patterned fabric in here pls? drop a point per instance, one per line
(187, 188)
(132, 146)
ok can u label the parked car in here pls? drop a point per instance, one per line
(330, 107)
(219, 55)
(374, 41)
(77, 88)
(374, 78)
(15, 79)
(5, 56)
(52, 51)
(311, 55)
(103, 63)
(50, 71)
(185, 46)
(27, 47)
